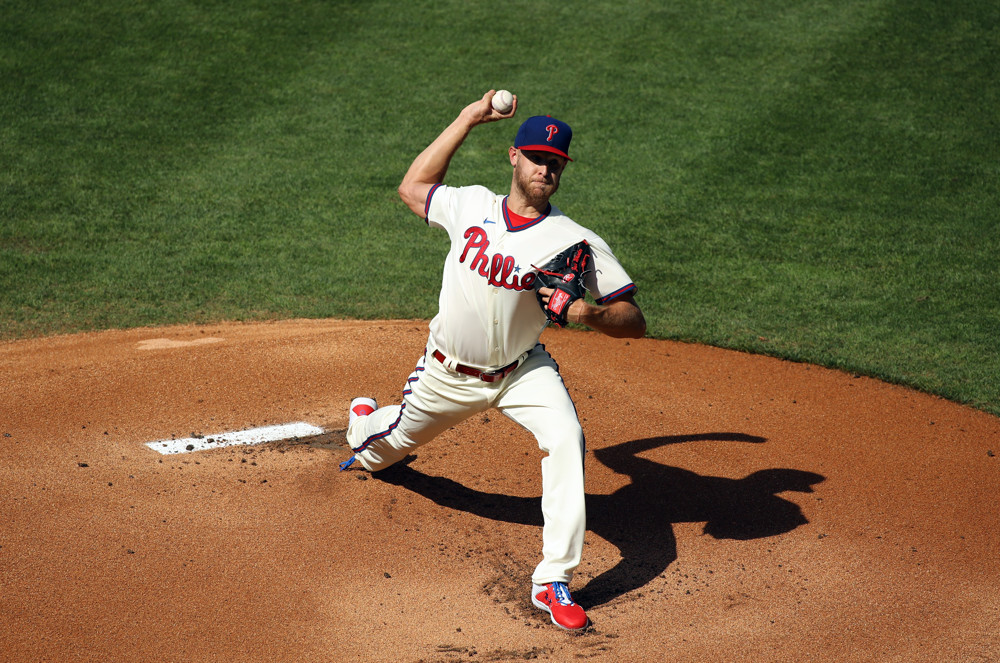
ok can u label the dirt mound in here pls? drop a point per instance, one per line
(739, 508)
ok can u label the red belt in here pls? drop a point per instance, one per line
(491, 376)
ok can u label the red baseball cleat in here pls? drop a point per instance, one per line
(361, 407)
(554, 599)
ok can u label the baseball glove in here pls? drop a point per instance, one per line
(564, 274)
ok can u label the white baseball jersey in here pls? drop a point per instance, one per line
(488, 327)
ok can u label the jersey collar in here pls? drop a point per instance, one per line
(516, 222)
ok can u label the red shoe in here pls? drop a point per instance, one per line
(554, 599)
(361, 407)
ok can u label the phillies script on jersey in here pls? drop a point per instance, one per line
(499, 270)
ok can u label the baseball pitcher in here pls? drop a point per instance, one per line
(517, 263)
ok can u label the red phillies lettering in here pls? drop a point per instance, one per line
(498, 268)
(477, 240)
(553, 130)
(508, 269)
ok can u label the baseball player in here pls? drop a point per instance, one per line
(483, 350)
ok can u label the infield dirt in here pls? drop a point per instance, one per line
(740, 508)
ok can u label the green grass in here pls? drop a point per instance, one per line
(810, 180)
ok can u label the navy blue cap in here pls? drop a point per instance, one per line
(543, 133)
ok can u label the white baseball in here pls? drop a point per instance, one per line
(503, 101)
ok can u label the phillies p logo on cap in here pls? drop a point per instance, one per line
(543, 133)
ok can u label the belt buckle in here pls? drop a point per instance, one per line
(490, 377)
(498, 374)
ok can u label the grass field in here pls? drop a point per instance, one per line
(810, 180)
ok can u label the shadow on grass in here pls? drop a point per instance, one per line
(638, 517)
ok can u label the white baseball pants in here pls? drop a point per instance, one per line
(436, 398)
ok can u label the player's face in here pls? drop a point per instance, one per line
(537, 174)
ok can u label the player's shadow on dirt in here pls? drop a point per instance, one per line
(638, 517)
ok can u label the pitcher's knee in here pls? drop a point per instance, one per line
(567, 443)
(376, 458)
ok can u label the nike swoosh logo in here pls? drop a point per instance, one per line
(485, 221)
